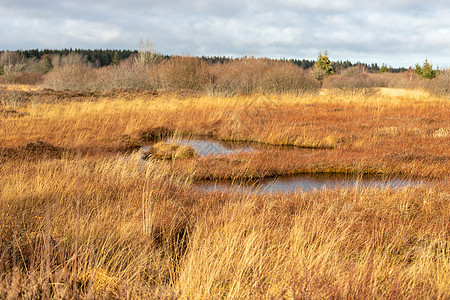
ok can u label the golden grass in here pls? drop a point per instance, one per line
(19, 87)
(79, 218)
(385, 134)
(163, 150)
(404, 93)
(144, 233)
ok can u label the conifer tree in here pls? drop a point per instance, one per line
(47, 65)
(383, 69)
(323, 67)
(426, 71)
(116, 59)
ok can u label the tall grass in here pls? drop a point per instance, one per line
(82, 217)
(381, 134)
(140, 233)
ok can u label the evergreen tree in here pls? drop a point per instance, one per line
(383, 69)
(116, 59)
(47, 65)
(426, 71)
(323, 67)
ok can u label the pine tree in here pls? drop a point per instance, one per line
(116, 59)
(323, 67)
(47, 65)
(426, 71)
(383, 69)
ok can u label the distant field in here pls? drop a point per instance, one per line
(81, 214)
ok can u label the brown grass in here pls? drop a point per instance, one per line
(170, 151)
(80, 218)
(145, 234)
(404, 133)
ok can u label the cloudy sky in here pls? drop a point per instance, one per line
(395, 32)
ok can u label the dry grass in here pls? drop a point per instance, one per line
(79, 218)
(377, 134)
(163, 150)
(119, 231)
(406, 93)
(19, 87)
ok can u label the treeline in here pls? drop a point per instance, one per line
(102, 58)
(306, 64)
(97, 57)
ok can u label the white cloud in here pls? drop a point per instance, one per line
(90, 32)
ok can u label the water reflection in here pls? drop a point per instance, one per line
(305, 183)
(287, 184)
(205, 147)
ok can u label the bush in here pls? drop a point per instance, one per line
(285, 77)
(250, 75)
(28, 78)
(404, 80)
(180, 72)
(129, 74)
(440, 86)
(69, 77)
(238, 76)
(354, 79)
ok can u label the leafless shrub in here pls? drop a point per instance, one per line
(69, 77)
(180, 72)
(354, 80)
(130, 74)
(237, 77)
(250, 75)
(28, 78)
(11, 99)
(285, 77)
(404, 80)
(439, 86)
(11, 64)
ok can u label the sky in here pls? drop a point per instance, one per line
(399, 33)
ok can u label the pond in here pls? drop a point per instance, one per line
(205, 147)
(286, 184)
(305, 183)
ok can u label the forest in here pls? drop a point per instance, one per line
(106, 57)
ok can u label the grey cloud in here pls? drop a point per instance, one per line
(395, 32)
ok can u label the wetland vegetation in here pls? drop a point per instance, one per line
(82, 216)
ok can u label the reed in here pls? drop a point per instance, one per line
(82, 217)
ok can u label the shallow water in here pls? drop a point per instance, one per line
(286, 184)
(305, 183)
(205, 147)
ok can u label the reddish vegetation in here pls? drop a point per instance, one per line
(81, 216)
